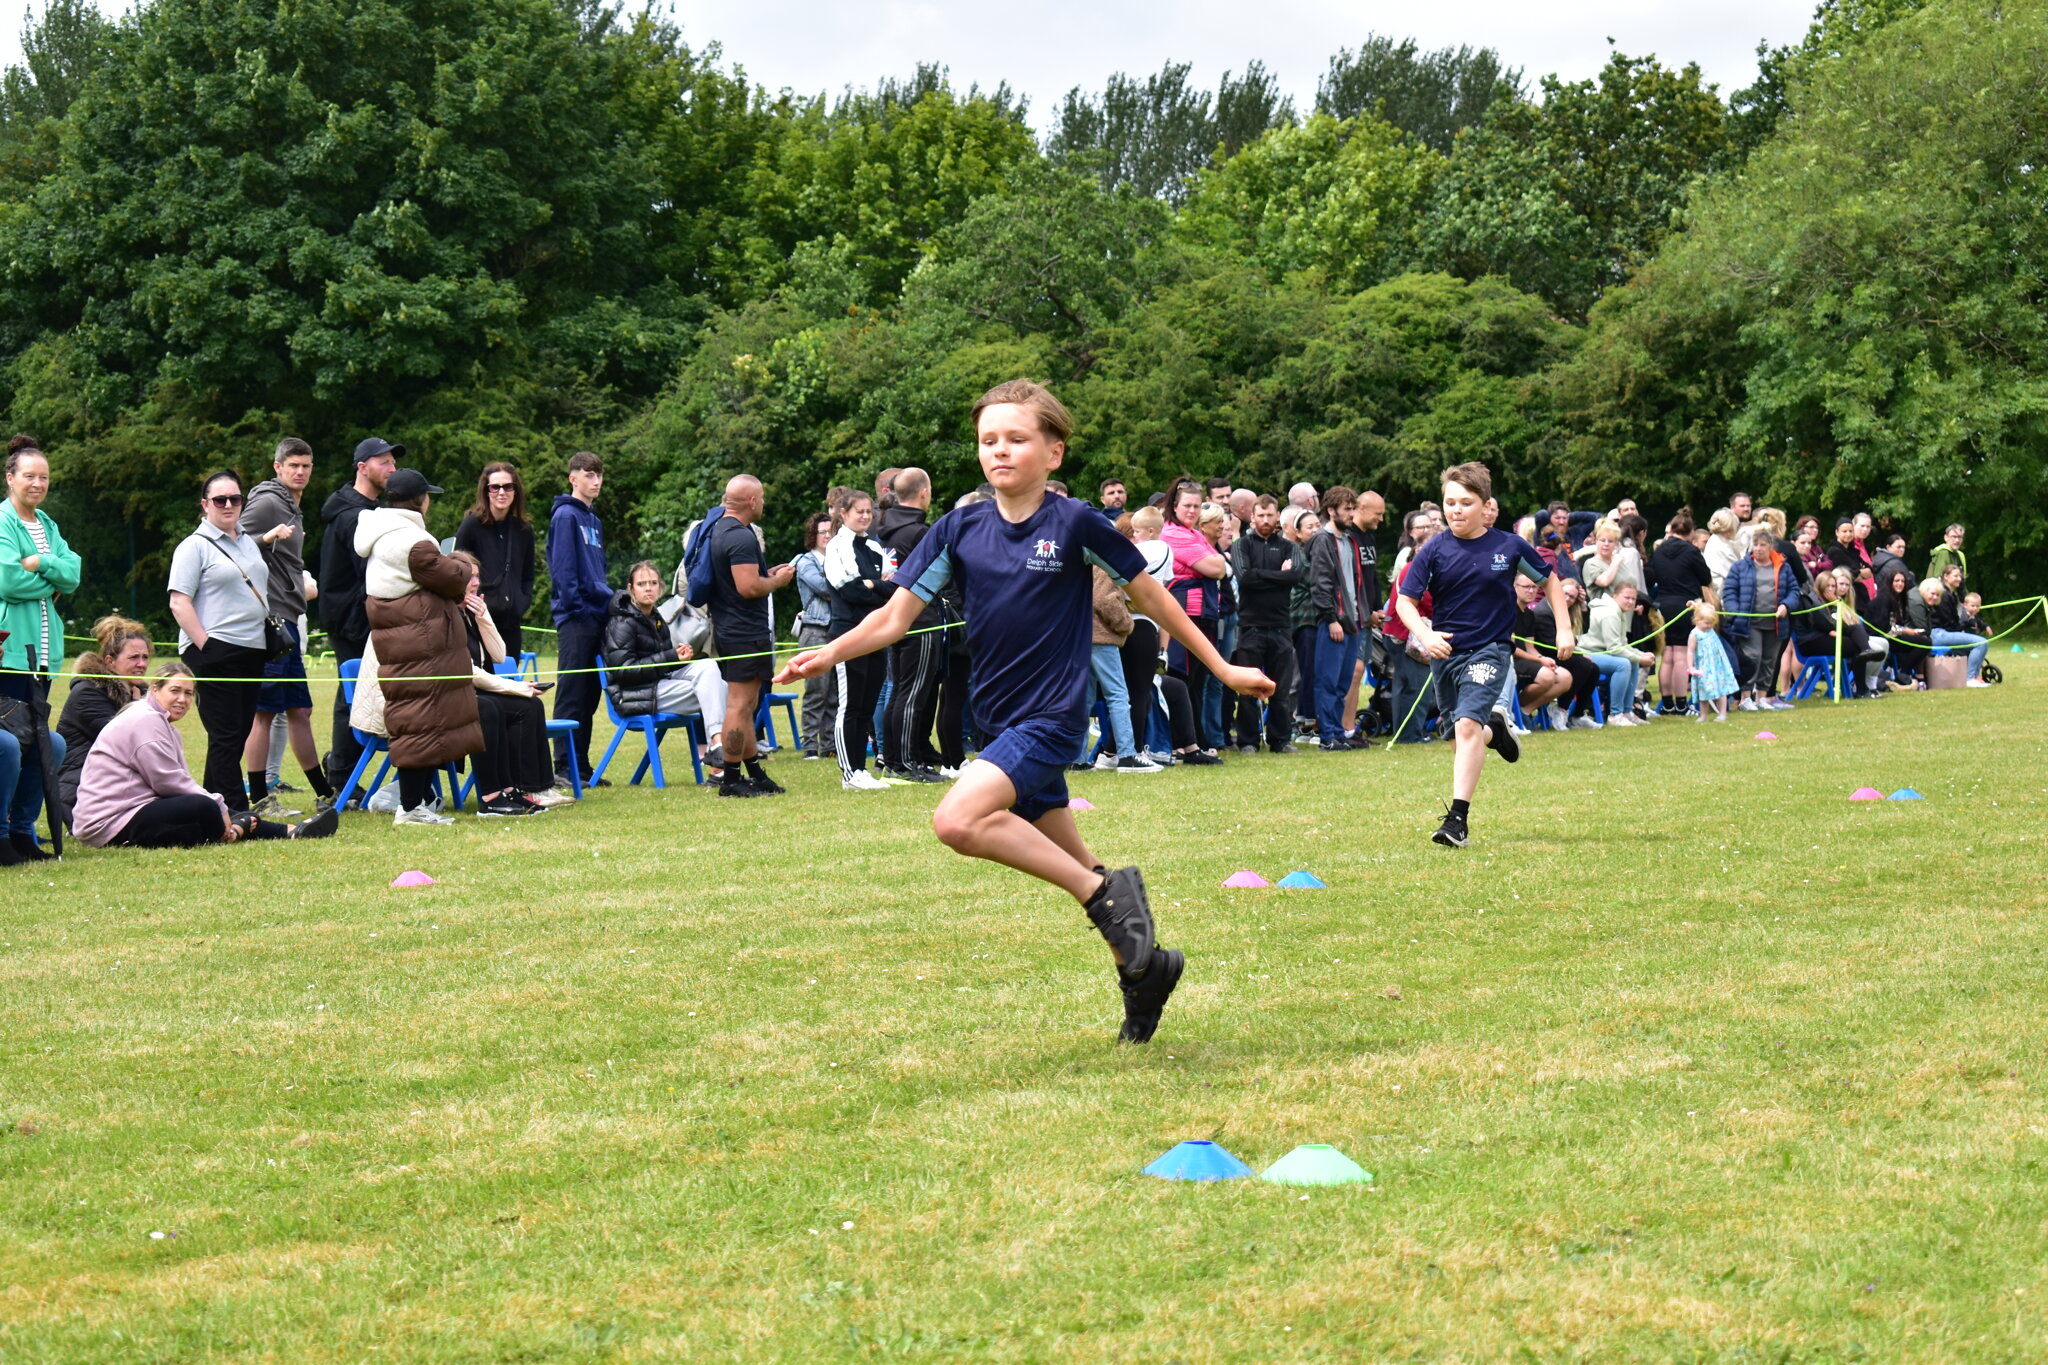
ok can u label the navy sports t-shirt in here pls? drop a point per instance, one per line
(740, 623)
(1030, 603)
(1471, 584)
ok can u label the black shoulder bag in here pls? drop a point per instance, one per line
(277, 638)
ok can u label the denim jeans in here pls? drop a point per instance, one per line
(1106, 681)
(21, 782)
(1956, 639)
(1334, 660)
(1411, 680)
(1216, 723)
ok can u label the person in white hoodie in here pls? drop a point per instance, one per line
(413, 595)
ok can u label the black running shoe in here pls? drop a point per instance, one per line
(1502, 741)
(1145, 997)
(1121, 914)
(1452, 833)
(766, 785)
(732, 785)
(921, 774)
(1336, 746)
(1200, 758)
(319, 827)
(505, 805)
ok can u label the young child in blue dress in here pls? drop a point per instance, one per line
(1713, 676)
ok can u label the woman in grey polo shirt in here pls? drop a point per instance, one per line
(219, 585)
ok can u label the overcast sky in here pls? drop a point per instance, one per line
(1045, 48)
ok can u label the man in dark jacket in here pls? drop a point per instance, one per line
(341, 583)
(580, 597)
(917, 662)
(1266, 568)
(272, 514)
(1337, 587)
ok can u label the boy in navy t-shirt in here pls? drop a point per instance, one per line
(1470, 577)
(1022, 561)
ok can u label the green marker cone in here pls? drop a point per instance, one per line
(1316, 1163)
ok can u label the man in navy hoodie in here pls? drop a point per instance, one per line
(580, 597)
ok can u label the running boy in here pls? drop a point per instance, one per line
(1470, 577)
(1023, 564)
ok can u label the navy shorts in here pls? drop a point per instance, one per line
(1034, 756)
(1468, 683)
(289, 692)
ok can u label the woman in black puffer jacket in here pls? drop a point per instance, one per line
(645, 670)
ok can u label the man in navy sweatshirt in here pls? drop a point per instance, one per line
(580, 597)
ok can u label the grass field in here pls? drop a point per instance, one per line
(1687, 1058)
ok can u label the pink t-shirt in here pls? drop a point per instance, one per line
(1188, 547)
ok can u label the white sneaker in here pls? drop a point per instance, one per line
(864, 781)
(1585, 723)
(1558, 719)
(1976, 682)
(1623, 719)
(950, 774)
(551, 798)
(1158, 759)
(1517, 731)
(1778, 704)
(1748, 704)
(422, 815)
(1105, 762)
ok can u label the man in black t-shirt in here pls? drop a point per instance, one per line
(740, 584)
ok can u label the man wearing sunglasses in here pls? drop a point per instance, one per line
(341, 582)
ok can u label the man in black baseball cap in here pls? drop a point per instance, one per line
(341, 581)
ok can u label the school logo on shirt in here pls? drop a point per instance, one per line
(1045, 557)
(1500, 563)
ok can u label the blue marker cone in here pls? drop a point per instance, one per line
(1303, 879)
(1905, 794)
(1198, 1161)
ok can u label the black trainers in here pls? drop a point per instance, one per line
(505, 804)
(1122, 916)
(917, 774)
(319, 827)
(1200, 758)
(1145, 996)
(1453, 832)
(765, 785)
(732, 784)
(1501, 740)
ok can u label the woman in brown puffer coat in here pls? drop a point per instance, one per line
(414, 597)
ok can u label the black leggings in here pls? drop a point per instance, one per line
(415, 785)
(515, 753)
(1180, 712)
(953, 708)
(916, 664)
(1585, 682)
(860, 685)
(1140, 653)
(227, 712)
(184, 822)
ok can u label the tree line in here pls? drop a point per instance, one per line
(516, 228)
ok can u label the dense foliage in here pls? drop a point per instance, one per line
(519, 227)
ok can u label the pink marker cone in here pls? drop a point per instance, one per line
(1079, 803)
(414, 878)
(1866, 794)
(1765, 734)
(1245, 878)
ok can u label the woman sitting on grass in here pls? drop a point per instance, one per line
(137, 792)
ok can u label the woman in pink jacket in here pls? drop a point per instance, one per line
(137, 791)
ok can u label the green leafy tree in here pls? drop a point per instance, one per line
(1431, 96)
(1151, 135)
(60, 51)
(1343, 198)
(1562, 197)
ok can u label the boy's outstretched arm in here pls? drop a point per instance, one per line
(1154, 601)
(884, 626)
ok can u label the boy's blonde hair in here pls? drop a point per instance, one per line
(1053, 418)
(1149, 520)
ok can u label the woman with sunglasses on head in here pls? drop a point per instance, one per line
(35, 565)
(498, 532)
(219, 589)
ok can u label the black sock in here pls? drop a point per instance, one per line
(731, 776)
(259, 785)
(1461, 809)
(318, 780)
(753, 769)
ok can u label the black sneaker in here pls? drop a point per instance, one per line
(1145, 996)
(1200, 758)
(505, 804)
(1121, 914)
(1501, 740)
(924, 775)
(766, 785)
(734, 785)
(319, 827)
(1337, 746)
(1453, 832)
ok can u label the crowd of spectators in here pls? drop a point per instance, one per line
(1698, 619)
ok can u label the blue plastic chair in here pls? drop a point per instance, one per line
(650, 728)
(527, 668)
(374, 745)
(764, 718)
(1814, 669)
